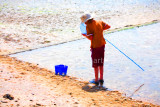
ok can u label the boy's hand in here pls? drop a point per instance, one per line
(84, 34)
(89, 36)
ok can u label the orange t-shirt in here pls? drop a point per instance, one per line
(96, 28)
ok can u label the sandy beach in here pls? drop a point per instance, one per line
(31, 24)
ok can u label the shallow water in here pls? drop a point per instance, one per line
(140, 44)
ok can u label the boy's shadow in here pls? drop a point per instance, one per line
(93, 88)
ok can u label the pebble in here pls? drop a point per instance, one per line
(8, 96)
(70, 93)
(38, 104)
(4, 101)
(76, 103)
(116, 99)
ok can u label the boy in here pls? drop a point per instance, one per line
(93, 30)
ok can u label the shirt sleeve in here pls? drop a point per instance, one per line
(105, 26)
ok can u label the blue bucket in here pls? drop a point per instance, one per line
(61, 70)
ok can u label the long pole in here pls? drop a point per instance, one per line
(125, 55)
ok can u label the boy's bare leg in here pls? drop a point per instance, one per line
(101, 72)
(96, 73)
(101, 75)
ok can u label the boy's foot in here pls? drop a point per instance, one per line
(101, 82)
(94, 82)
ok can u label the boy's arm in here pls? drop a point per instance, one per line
(105, 26)
(89, 36)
